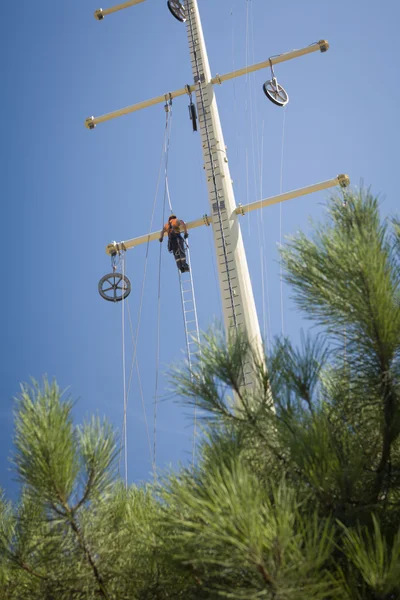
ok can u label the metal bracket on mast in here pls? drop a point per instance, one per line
(168, 102)
(344, 181)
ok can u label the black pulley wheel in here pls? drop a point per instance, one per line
(275, 92)
(177, 10)
(114, 287)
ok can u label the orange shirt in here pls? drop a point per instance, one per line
(173, 226)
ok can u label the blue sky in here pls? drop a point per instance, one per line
(67, 192)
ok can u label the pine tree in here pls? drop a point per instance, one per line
(326, 462)
(296, 492)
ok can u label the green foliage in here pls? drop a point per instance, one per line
(377, 562)
(245, 541)
(292, 500)
(45, 442)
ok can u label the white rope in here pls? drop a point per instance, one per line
(166, 150)
(124, 377)
(247, 188)
(166, 196)
(145, 263)
(262, 247)
(140, 385)
(136, 337)
(248, 96)
(237, 136)
(157, 359)
(280, 222)
(258, 170)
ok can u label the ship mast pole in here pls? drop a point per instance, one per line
(238, 305)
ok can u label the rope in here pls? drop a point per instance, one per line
(237, 137)
(157, 365)
(168, 109)
(263, 263)
(280, 221)
(247, 187)
(140, 386)
(136, 337)
(124, 380)
(257, 148)
(248, 98)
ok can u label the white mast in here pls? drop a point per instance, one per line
(238, 306)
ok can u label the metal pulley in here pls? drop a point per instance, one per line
(114, 286)
(274, 91)
(177, 10)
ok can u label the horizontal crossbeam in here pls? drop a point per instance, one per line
(100, 13)
(342, 180)
(91, 122)
(322, 45)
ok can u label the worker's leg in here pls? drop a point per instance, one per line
(184, 265)
(175, 247)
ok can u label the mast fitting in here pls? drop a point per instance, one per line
(168, 101)
(89, 123)
(344, 180)
(323, 45)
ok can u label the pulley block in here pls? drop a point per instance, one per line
(177, 10)
(193, 115)
(275, 92)
(114, 287)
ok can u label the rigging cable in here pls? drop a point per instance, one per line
(136, 337)
(246, 105)
(237, 137)
(168, 111)
(280, 221)
(124, 379)
(157, 361)
(258, 158)
(140, 386)
(262, 259)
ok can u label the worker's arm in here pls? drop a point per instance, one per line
(162, 234)
(185, 229)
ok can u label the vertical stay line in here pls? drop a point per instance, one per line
(168, 125)
(124, 380)
(280, 222)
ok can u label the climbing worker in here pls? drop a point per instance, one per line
(175, 241)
